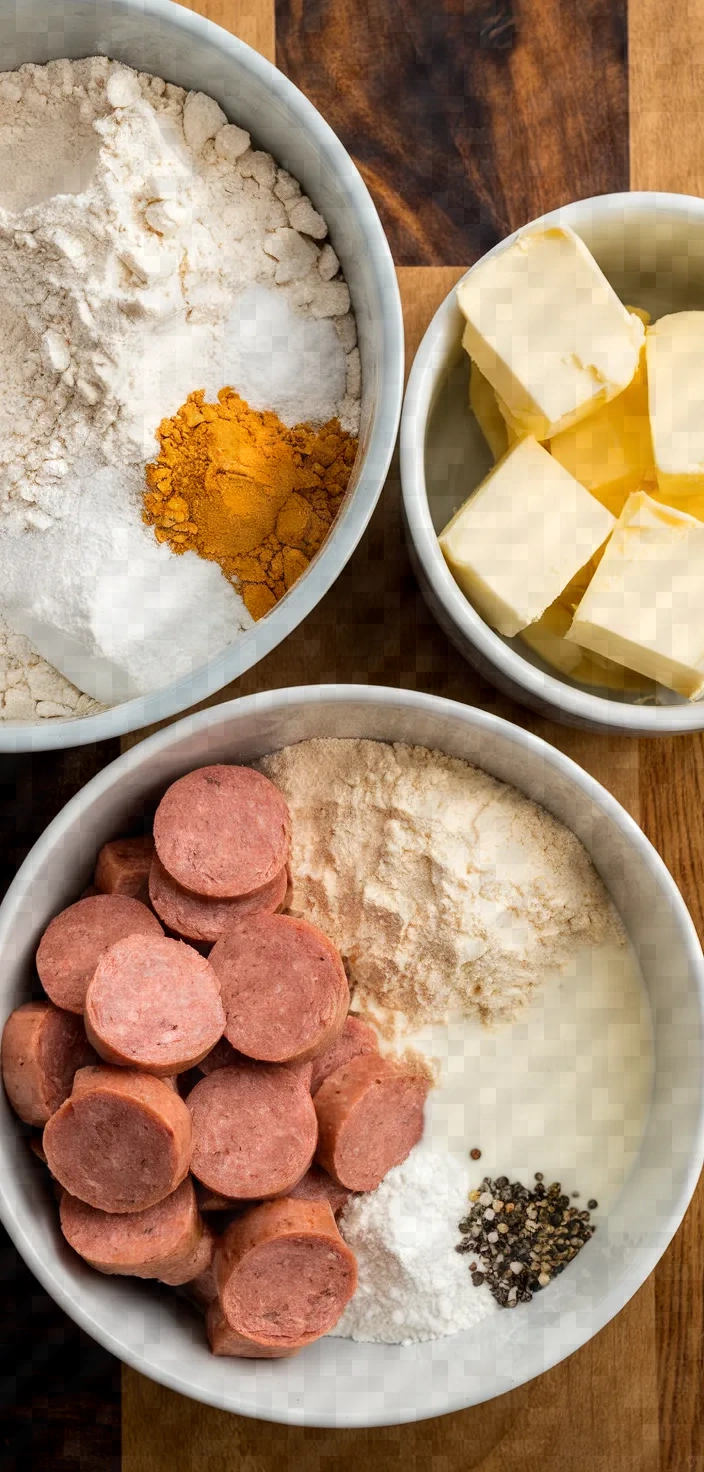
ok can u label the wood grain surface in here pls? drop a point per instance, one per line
(468, 120)
(466, 117)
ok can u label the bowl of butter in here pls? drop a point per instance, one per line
(552, 462)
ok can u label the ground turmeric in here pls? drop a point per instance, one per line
(240, 488)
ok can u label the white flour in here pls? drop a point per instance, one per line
(446, 891)
(412, 1284)
(145, 250)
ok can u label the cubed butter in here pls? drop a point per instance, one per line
(611, 451)
(644, 607)
(482, 402)
(522, 536)
(547, 638)
(548, 331)
(675, 358)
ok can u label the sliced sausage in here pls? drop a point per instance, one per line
(166, 1241)
(153, 1003)
(284, 1273)
(201, 919)
(123, 867)
(317, 1185)
(121, 1142)
(41, 1049)
(222, 831)
(74, 941)
(356, 1037)
(226, 1341)
(283, 985)
(370, 1115)
(254, 1130)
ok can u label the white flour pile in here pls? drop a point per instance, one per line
(446, 891)
(412, 1284)
(146, 250)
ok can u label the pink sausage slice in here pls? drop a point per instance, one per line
(121, 1142)
(164, 1242)
(370, 1115)
(42, 1048)
(284, 1273)
(222, 831)
(74, 941)
(283, 985)
(153, 1003)
(356, 1037)
(123, 867)
(254, 1130)
(226, 1341)
(198, 918)
(317, 1185)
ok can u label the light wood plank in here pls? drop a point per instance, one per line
(666, 94)
(253, 21)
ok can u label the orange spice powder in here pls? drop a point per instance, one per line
(240, 488)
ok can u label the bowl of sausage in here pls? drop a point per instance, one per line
(340, 1038)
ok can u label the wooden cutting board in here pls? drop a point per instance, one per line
(529, 104)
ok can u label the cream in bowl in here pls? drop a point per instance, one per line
(579, 382)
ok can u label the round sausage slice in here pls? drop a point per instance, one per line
(74, 941)
(370, 1115)
(123, 867)
(41, 1049)
(198, 918)
(226, 1341)
(153, 1003)
(356, 1037)
(121, 1142)
(166, 1241)
(283, 985)
(222, 831)
(254, 1130)
(284, 1273)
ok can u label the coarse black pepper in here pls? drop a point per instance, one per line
(542, 1233)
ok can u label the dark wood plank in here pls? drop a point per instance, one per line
(467, 117)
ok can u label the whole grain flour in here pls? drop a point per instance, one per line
(447, 891)
(146, 249)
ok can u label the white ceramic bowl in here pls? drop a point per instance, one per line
(166, 39)
(651, 247)
(336, 1382)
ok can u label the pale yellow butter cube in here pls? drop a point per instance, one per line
(482, 402)
(644, 607)
(548, 331)
(611, 451)
(675, 358)
(522, 536)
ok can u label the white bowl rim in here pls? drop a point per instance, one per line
(567, 702)
(253, 646)
(261, 705)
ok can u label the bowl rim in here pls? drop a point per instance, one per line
(261, 706)
(503, 665)
(256, 643)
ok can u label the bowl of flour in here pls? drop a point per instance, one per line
(174, 216)
(448, 824)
